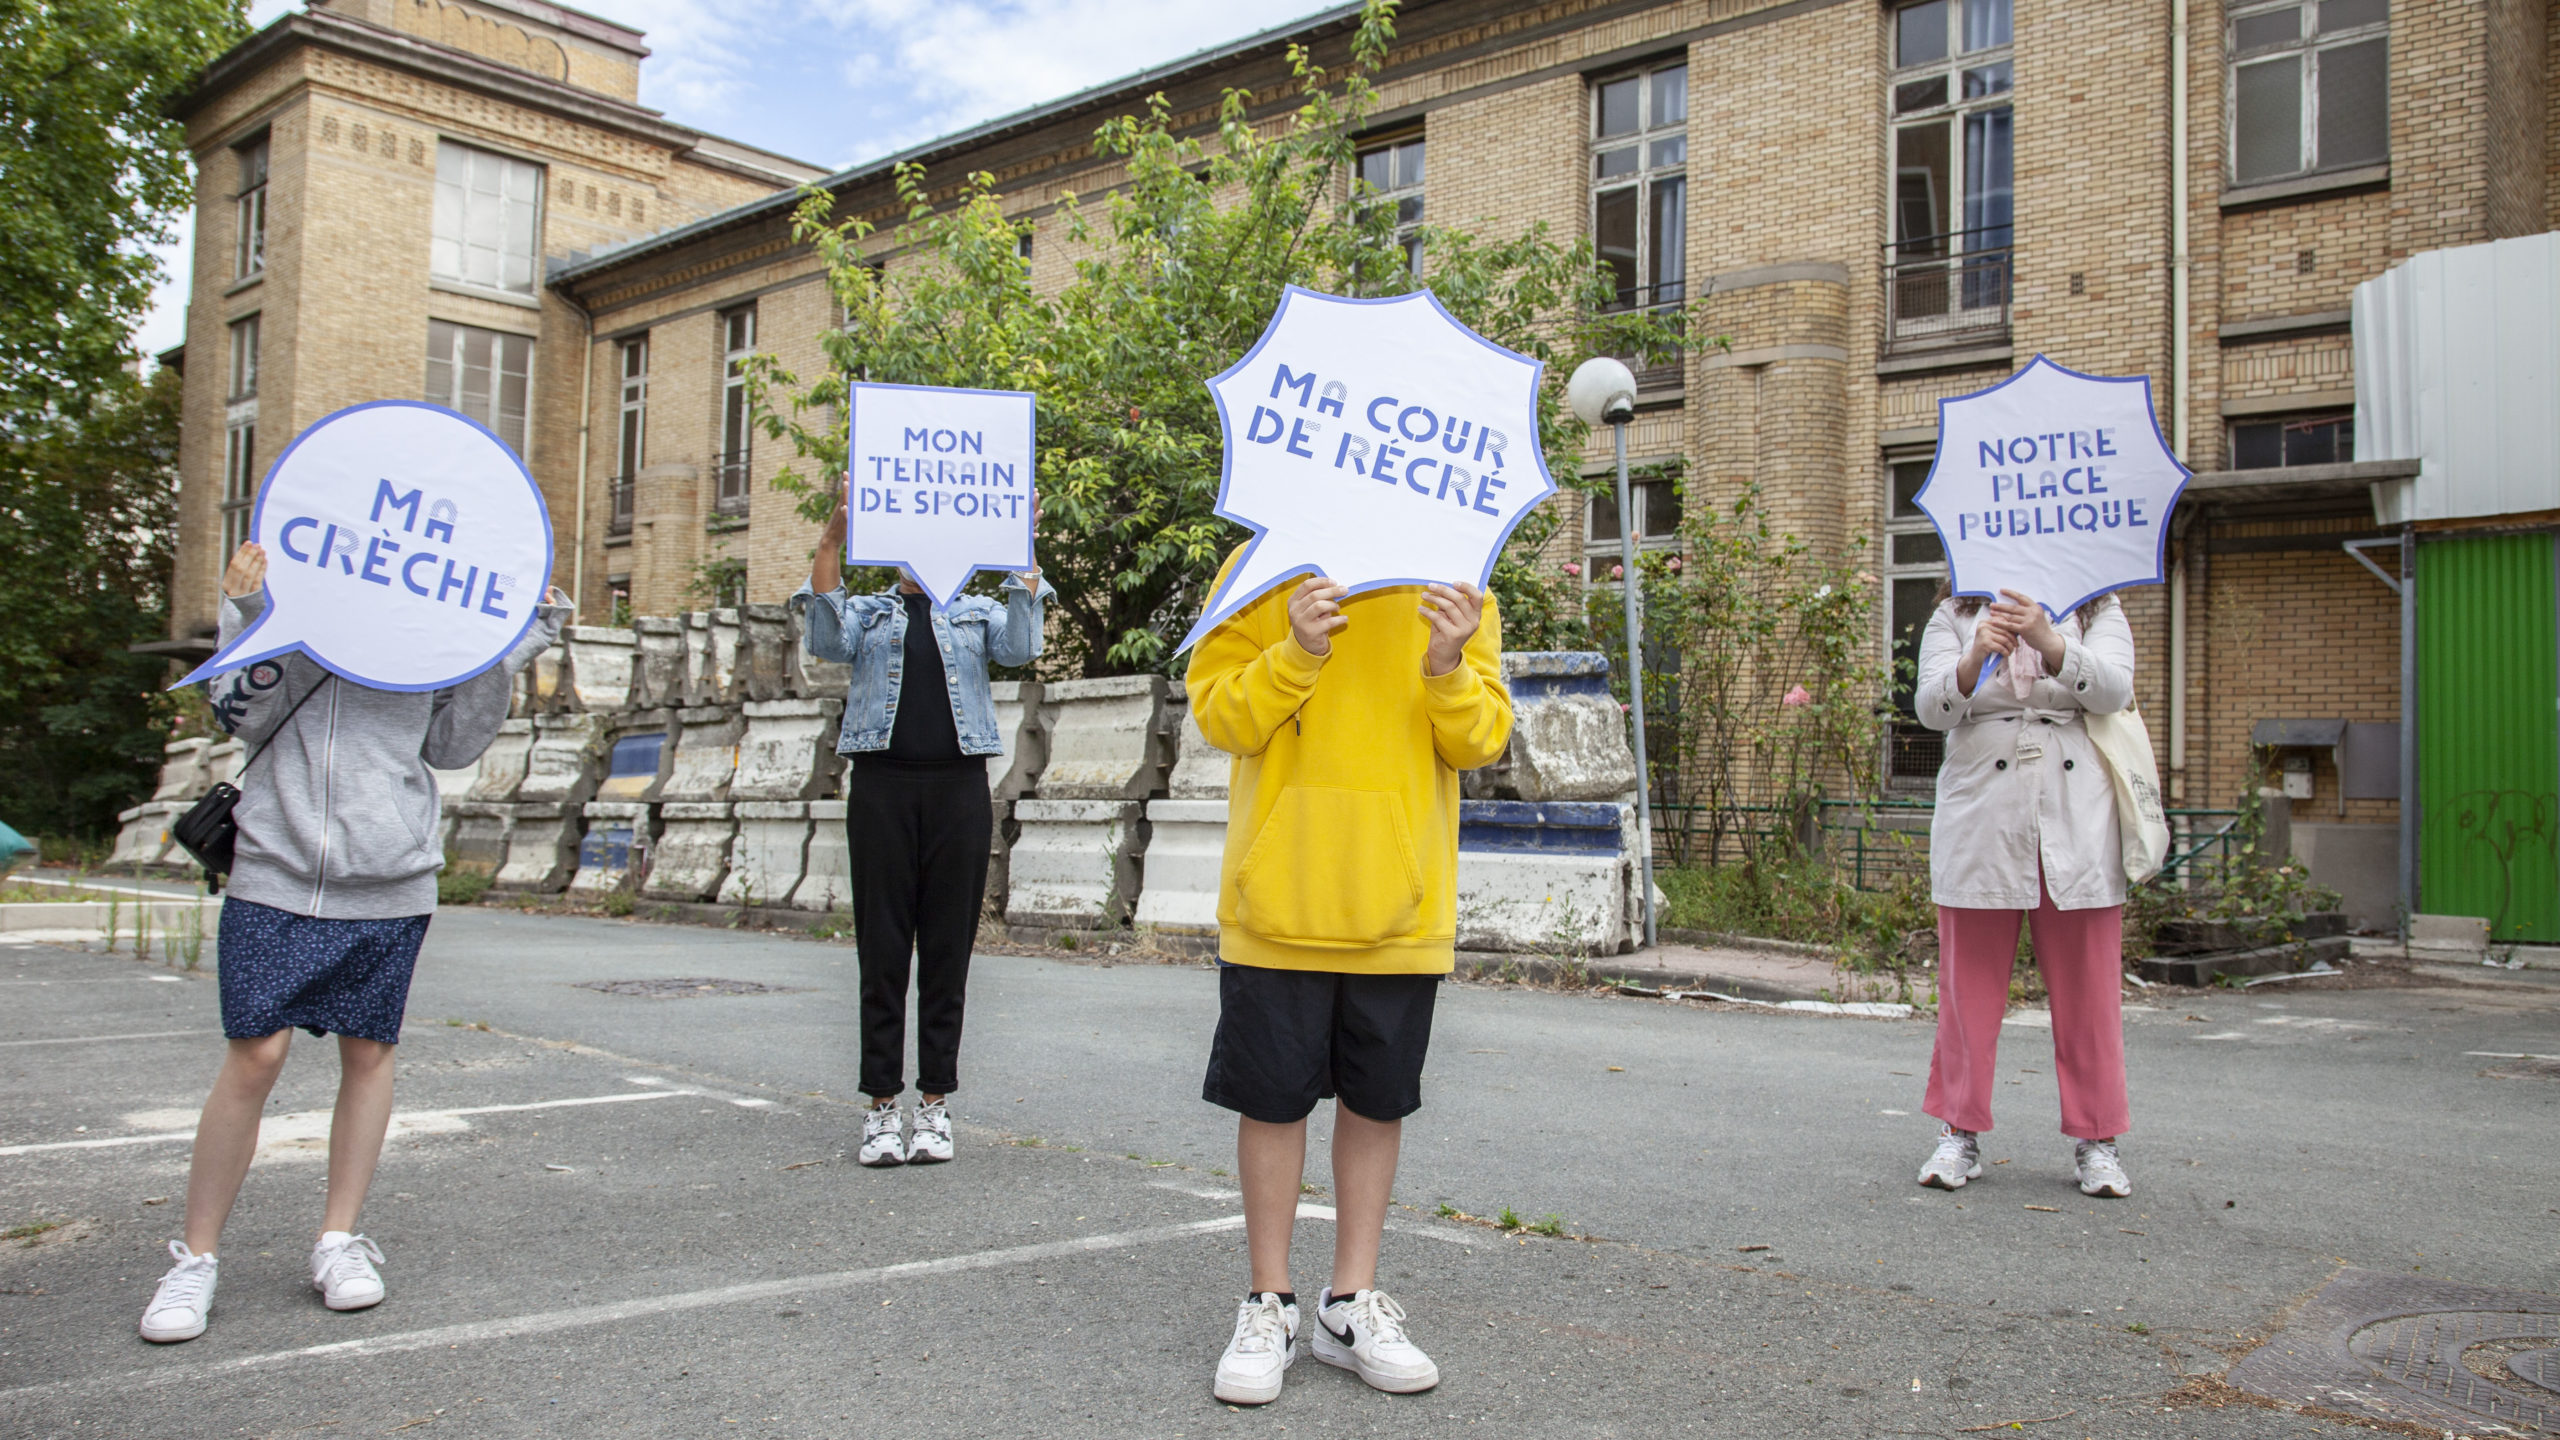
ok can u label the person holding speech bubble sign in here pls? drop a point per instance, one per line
(333, 881)
(919, 725)
(1349, 717)
(2026, 825)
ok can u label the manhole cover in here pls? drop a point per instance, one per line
(2409, 1348)
(682, 988)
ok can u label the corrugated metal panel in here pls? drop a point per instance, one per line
(2458, 367)
(2489, 733)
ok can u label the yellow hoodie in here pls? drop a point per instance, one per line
(1342, 830)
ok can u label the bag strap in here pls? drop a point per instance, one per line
(269, 743)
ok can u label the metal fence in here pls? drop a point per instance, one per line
(1873, 844)
(1946, 290)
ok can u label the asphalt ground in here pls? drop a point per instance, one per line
(706, 1260)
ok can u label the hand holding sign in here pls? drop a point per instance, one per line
(1374, 443)
(404, 546)
(939, 483)
(2052, 484)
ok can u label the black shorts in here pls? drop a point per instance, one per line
(1288, 1038)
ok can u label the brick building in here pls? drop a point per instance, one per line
(1881, 203)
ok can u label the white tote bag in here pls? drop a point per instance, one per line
(2124, 742)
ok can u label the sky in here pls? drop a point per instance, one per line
(840, 83)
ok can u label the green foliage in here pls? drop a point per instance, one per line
(2233, 887)
(1799, 898)
(1180, 269)
(88, 495)
(460, 887)
(90, 171)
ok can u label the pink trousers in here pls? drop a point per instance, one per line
(2081, 953)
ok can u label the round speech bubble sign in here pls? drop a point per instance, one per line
(407, 548)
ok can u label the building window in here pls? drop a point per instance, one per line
(1639, 183)
(240, 436)
(1655, 498)
(634, 438)
(2281, 440)
(2310, 87)
(1953, 140)
(737, 439)
(250, 211)
(482, 373)
(1391, 181)
(617, 594)
(1915, 565)
(488, 219)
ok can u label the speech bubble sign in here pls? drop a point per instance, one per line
(1375, 442)
(407, 548)
(2054, 484)
(939, 481)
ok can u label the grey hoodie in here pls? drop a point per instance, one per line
(338, 816)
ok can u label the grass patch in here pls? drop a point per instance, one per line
(617, 903)
(30, 1232)
(460, 887)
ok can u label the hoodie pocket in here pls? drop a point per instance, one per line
(1331, 867)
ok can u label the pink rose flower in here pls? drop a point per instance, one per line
(1798, 696)
(1573, 567)
(1617, 572)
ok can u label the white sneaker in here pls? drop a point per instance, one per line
(1263, 1348)
(342, 1271)
(929, 1136)
(881, 1144)
(2101, 1172)
(1372, 1342)
(180, 1306)
(1957, 1159)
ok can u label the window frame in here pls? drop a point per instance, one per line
(1598, 553)
(1401, 191)
(2306, 51)
(1952, 114)
(240, 474)
(438, 239)
(252, 159)
(457, 375)
(2288, 422)
(1901, 728)
(1650, 290)
(734, 466)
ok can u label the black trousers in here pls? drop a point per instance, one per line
(919, 840)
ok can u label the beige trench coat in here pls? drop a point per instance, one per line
(2022, 785)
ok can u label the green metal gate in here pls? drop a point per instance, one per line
(2489, 733)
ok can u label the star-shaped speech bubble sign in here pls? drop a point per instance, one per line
(407, 547)
(1374, 442)
(941, 481)
(2054, 484)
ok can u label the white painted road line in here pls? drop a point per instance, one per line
(103, 1039)
(414, 1118)
(446, 1336)
(2508, 1055)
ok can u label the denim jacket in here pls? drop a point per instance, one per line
(869, 632)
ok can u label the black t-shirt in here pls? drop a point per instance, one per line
(924, 735)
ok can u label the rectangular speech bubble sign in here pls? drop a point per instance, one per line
(939, 481)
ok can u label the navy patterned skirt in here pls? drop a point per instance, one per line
(331, 977)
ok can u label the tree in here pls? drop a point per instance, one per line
(91, 169)
(1182, 267)
(89, 500)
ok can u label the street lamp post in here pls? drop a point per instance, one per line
(1603, 392)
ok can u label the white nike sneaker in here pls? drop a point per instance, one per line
(929, 1135)
(1957, 1159)
(1263, 1348)
(184, 1301)
(1372, 1342)
(881, 1143)
(342, 1271)
(2101, 1171)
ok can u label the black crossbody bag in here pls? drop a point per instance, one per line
(207, 830)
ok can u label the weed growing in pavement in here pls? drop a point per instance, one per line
(1447, 1211)
(1550, 1226)
(618, 903)
(28, 1233)
(1509, 1219)
(461, 887)
(2138, 1328)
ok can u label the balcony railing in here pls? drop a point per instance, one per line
(619, 521)
(1947, 290)
(729, 492)
(1659, 370)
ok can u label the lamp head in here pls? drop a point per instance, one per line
(1602, 391)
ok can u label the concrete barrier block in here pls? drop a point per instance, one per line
(1568, 736)
(614, 852)
(542, 847)
(1185, 847)
(222, 763)
(721, 683)
(566, 760)
(1014, 771)
(476, 836)
(805, 676)
(764, 652)
(142, 836)
(691, 858)
(789, 751)
(1544, 878)
(2466, 933)
(771, 852)
(658, 673)
(542, 685)
(1107, 738)
(1075, 862)
(706, 758)
(182, 774)
(597, 671)
(639, 756)
(1200, 769)
(826, 879)
(502, 765)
